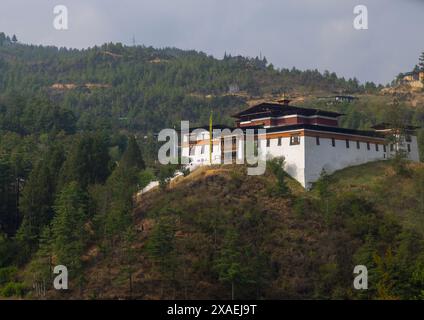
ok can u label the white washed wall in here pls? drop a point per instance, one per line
(294, 157)
(329, 158)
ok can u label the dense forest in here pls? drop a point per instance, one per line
(136, 88)
(77, 141)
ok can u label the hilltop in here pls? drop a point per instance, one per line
(280, 247)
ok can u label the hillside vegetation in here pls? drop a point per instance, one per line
(219, 233)
(139, 88)
(77, 141)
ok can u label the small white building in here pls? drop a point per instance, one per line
(310, 140)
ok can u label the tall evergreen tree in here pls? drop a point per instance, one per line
(69, 234)
(41, 266)
(130, 257)
(36, 206)
(421, 61)
(161, 248)
(88, 161)
(229, 265)
(120, 188)
(132, 156)
(8, 197)
(36, 203)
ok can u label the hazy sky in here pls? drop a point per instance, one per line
(301, 33)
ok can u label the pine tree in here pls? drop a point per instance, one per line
(87, 163)
(132, 155)
(421, 62)
(36, 206)
(36, 203)
(2, 38)
(41, 266)
(397, 117)
(129, 257)
(8, 207)
(120, 187)
(68, 229)
(161, 248)
(8, 250)
(229, 264)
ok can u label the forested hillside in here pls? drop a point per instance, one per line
(222, 234)
(77, 141)
(137, 88)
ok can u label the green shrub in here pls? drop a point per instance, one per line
(13, 289)
(236, 180)
(165, 174)
(7, 274)
(145, 177)
(300, 206)
(276, 167)
(399, 163)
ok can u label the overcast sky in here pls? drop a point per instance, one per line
(302, 33)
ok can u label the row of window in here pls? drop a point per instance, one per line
(295, 140)
(279, 142)
(358, 144)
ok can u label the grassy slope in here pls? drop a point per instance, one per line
(394, 195)
(304, 250)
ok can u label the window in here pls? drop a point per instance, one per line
(376, 147)
(279, 141)
(192, 151)
(268, 142)
(294, 140)
(234, 143)
(408, 138)
(347, 144)
(368, 146)
(392, 147)
(358, 145)
(317, 141)
(333, 142)
(409, 147)
(202, 150)
(384, 148)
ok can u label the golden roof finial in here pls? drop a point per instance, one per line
(284, 100)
